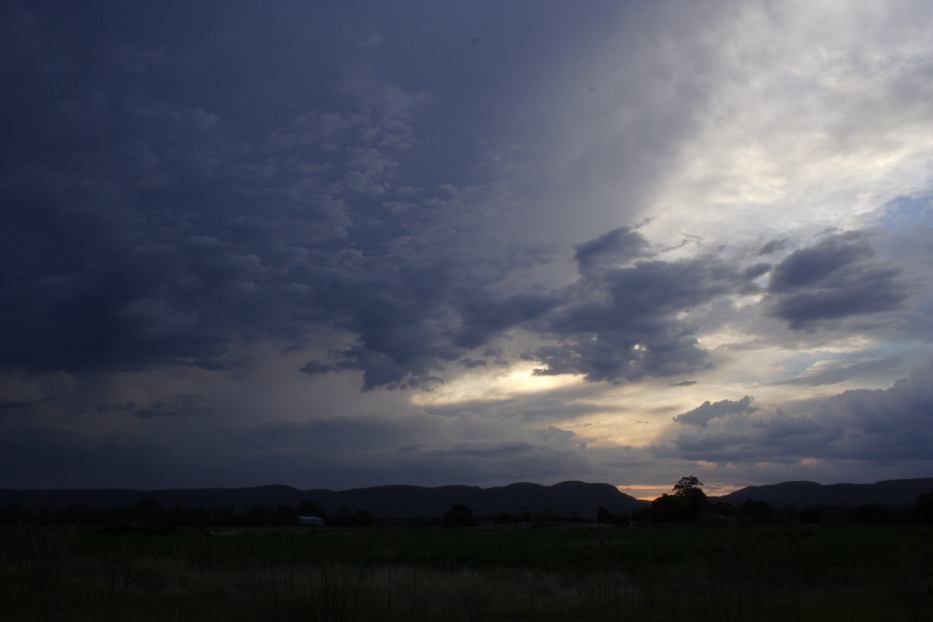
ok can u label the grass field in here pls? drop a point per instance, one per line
(496, 573)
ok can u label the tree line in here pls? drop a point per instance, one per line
(686, 504)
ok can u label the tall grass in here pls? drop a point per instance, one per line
(829, 574)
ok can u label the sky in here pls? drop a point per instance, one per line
(335, 245)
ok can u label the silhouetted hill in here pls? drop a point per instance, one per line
(188, 497)
(890, 492)
(382, 501)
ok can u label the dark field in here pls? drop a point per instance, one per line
(496, 573)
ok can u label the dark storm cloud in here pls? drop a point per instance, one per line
(522, 461)
(155, 217)
(612, 249)
(317, 367)
(56, 460)
(367, 450)
(620, 322)
(707, 411)
(340, 452)
(172, 196)
(881, 426)
(418, 305)
(183, 404)
(137, 229)
(836, 278)
(22, 405)
(207, 206)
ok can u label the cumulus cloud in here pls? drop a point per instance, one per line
(620, 320)
(613, 249)
(884, 426)
(625, 322)
(836, 278)
(708, 411)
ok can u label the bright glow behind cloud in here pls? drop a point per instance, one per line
(490, 385)
(818, 114)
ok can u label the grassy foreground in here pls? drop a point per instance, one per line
(504, 573)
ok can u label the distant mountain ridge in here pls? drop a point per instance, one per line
(398, 501)
(888, 492)
(382, 501)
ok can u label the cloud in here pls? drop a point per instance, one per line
(613, 249)
(198, 225)
(183, 404)
(150, 231)
(337, 451)
(9, 406)
(272, 226)
(565, 404)
(880, 426)
(143, 232)
(773, 246)
(835, 372)
(708, 411)
(318, 367)
(835, 278)
(626, 322)
(814, 115)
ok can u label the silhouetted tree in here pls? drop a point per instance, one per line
(670, 509)
(150, 517)
(689, 486)
(458, 515)
(923, 508)
(686, 503)
(603, 515)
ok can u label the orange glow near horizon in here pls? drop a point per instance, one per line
(650, 492)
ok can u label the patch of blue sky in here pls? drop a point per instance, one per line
(907, 211)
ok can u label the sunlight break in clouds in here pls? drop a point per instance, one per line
(493, 385)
